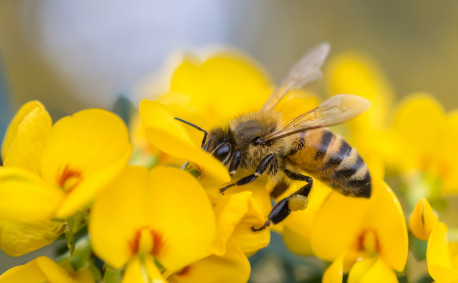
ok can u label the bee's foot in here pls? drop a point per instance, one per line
(262, 227)
(222, 190)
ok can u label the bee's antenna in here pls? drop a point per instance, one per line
(197, 127)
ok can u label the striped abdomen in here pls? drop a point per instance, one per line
(329, 158)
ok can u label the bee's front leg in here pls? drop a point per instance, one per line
(295, 201)
(262, 167)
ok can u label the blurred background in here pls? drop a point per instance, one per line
(78, 54)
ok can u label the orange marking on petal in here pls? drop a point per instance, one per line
(135, 243)
(185, 271)
(157, 243)
(367, 241)
(144, 243)
(69, 179)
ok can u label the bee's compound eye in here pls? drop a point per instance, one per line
(222, 152)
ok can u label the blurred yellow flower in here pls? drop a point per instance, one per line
(146, 217)
(367, 237)
(427, 139)
(43, 269)
(422, 220)
(442, 255)
(213, 91)
(52, 171)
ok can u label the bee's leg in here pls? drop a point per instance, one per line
(235, 163)
(262, 167)
(305, 190)
(295, 201)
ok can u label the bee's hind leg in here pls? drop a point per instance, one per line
(305, 190)
(295, 201)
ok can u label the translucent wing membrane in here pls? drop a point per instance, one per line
(335, 110)
(305, 71)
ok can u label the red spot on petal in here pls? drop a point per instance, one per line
(155, 237)
(69, 179)
(135, 242)
(158, 243)
(361, 237)
(185, 271)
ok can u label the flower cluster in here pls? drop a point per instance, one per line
(131, 208)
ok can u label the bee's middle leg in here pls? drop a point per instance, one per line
(295, 201)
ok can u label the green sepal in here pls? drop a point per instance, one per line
(111, 275)
(82, 254)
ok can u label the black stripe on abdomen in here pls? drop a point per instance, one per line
(335, 159)
(326, 139)
(348, 172)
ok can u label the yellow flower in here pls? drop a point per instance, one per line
(163, 215)
(208, 92)
(216, 89)
(236, 212)
(427, 139)
(52, 171)
(169, 135)
(43, 269)
(367, 237)
(422, 220)
(231, 267)
(442, 255)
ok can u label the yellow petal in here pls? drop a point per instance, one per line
(422, 220)
(297, 226)
(84, 192)
(358, 74)
(418, 118)
(355, 219)
(390, 226)
(236, 213)
(117, 214)
(91, 143)
(438, 256)
(26, 137)
(41, 269)
(371, 270)
(167, 134)
(359, 269)
(17, 238)
(181, 217)
(338, 215)
(231, 267)
(334, 273)
(26, 198)
(222, 86)
(136, 272)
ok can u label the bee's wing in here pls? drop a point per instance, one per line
(335, 110)
(305, 71)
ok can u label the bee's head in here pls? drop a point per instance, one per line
(219, 144)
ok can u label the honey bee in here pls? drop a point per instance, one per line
(261, 142)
